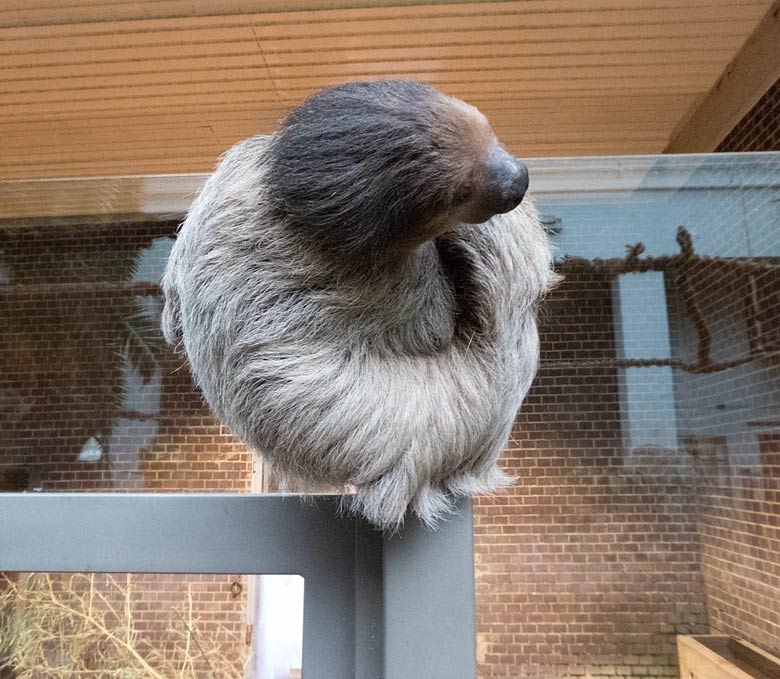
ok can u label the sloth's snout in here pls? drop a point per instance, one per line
(507, 184)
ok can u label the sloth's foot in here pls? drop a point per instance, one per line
(387, 501)
(384, 502)
(432, 504)
(478, 483)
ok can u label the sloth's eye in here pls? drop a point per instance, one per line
(462, 195)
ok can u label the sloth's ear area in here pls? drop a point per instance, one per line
(383, 167)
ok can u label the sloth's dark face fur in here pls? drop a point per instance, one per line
(380, 167)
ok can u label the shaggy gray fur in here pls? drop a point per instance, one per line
(399, 374)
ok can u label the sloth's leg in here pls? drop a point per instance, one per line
(171, 314)
(477, 482)
(431, 504)
(481, 474)
(385, 501)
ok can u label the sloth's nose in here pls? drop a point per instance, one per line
(508, 182)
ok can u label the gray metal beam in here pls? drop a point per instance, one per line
(375, 608)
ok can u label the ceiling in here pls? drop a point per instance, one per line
(102, 87)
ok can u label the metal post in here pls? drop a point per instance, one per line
(429, 601)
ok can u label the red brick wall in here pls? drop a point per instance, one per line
(589, 565)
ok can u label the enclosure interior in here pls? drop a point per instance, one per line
(647, 454)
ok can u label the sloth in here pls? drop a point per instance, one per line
(356, 296)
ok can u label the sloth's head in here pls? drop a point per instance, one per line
(378, 166)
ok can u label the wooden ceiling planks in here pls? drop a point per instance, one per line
(102, 87)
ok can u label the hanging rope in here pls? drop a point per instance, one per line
(684, 267)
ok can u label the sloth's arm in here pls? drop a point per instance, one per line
(460, 269)
(479, 265)
(171, 314)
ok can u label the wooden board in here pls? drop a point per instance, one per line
(102, 87)
(720, 657)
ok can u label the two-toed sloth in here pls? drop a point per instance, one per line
(356, 296)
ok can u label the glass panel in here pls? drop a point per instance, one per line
(646, 452)
(58, 625)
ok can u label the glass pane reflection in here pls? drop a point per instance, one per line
(91, 398)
